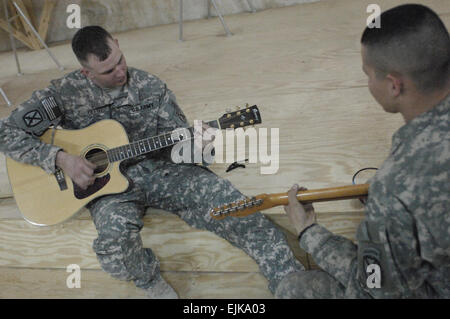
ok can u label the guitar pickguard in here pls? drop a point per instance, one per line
(99, 183)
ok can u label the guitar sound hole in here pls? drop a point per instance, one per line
(99, 158)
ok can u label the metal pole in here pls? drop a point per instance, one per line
(221, 18)
(180, 22)
(11, 39)
(38, 36)
(5, 97)
(251, 6)
(209, 8)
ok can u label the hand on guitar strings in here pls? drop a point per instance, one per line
(79, 169)
(300, 215)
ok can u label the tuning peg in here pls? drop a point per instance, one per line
(246, 105)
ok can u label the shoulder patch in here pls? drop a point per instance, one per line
(32, 118)
(51, 108)
(35, 116)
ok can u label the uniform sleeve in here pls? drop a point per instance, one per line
(19, 132)
(395, 245)
(333, 253)
(171, 117)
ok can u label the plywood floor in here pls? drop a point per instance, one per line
(301, 66)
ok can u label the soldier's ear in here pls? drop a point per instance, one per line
(116, 42)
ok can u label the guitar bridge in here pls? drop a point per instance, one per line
(99, 183)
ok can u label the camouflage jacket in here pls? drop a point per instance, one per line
(146, 108)
(406, 230)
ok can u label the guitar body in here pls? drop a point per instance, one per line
(39, 195)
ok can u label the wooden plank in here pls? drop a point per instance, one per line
(96, 284)
(16, 21)
(16, 33)
(45, 18)
(316, 151)
(178, 246)
(28, 31)
(183, 249)
(29, 7)
(9, 209)
(5, 187)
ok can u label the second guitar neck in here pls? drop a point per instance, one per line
(323, 194)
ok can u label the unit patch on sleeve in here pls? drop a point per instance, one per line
(51, 108)
(32, 118)
(36, 116)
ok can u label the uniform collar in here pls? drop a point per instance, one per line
(419, 123)
(100, 98)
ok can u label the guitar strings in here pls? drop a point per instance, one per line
(101, 158)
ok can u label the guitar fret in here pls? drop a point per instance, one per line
(142, 147)
(157, 144)
(136, 149)
(128, 151)
(161, 144)
(111, 155)
(147, 146)
(151, 143)
(123, 153)
(169, 138)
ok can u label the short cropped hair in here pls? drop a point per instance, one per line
(413, 41)
(91, 40)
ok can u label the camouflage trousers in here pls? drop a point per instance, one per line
(189, 191)
(318, 284)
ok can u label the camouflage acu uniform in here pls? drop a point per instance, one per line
(406, 230)
(145, 108)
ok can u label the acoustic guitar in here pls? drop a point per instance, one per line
(265, 201)
(48, 199)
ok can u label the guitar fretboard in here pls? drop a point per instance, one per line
(154, 143)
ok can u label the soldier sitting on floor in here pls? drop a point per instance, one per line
(403, 245)
(105, 88)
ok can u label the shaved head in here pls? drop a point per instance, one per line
(412, 41)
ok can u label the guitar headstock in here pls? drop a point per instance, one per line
(241, 208)
(240, 118)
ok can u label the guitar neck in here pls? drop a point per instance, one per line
(266, 201)
(153, 143)
(323, 194)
